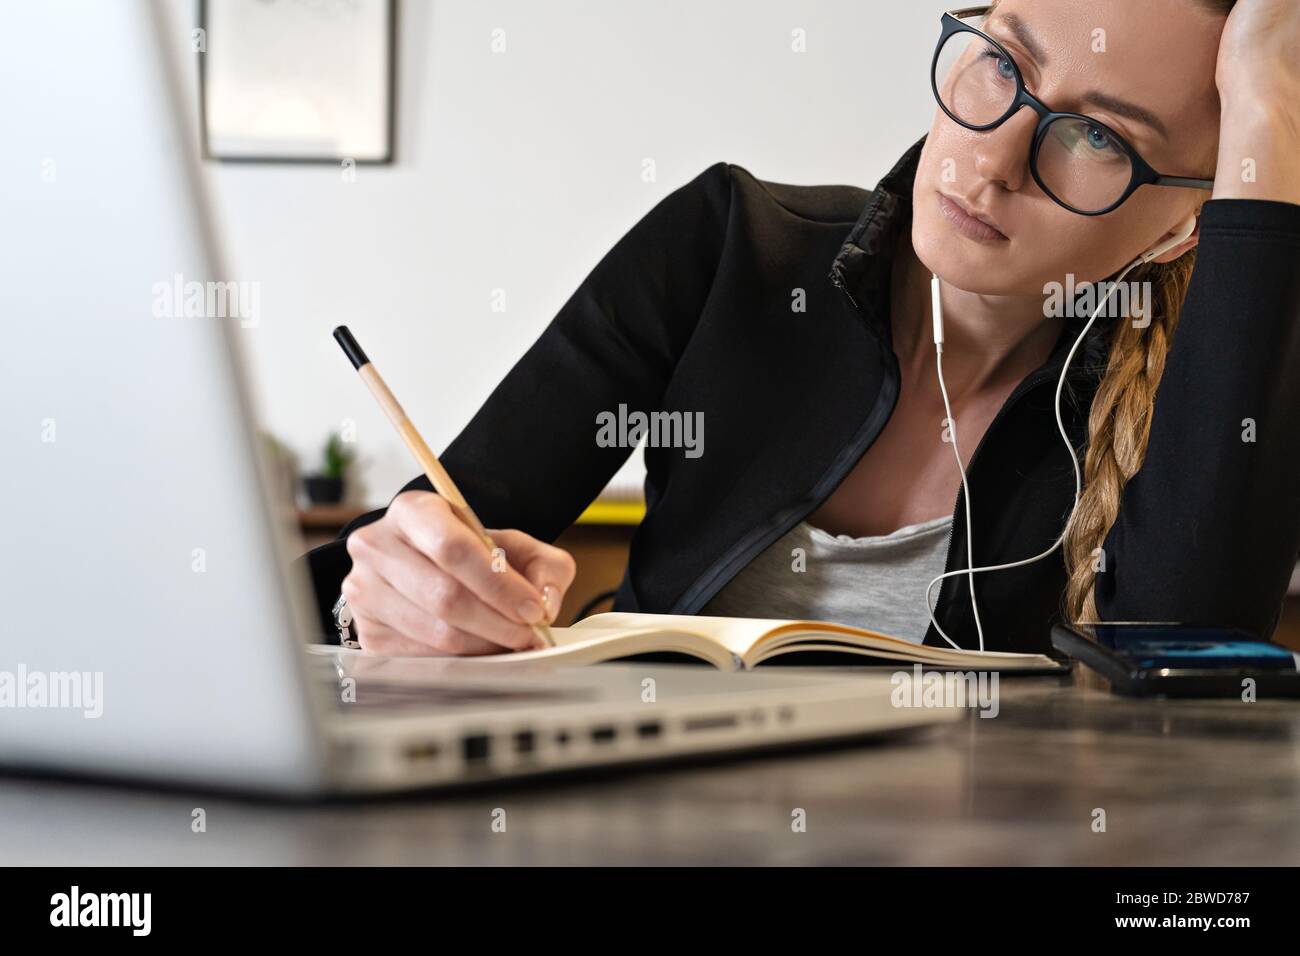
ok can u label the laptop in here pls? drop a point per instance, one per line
(154, 627)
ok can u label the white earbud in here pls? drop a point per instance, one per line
(936, 311)
(1184, 231)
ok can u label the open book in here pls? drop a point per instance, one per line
(740, 643)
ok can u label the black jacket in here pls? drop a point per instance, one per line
(692, 311)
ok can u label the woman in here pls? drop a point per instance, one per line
(795, 322)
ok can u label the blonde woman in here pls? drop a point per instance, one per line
(795, 323)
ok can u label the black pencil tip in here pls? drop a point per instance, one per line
(350, 347)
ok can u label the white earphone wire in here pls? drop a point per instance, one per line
(965, 489)
(970, 572)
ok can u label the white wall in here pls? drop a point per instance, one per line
(518, 170)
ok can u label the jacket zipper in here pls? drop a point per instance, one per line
(745, 551)
(837, 279)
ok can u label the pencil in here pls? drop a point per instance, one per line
(433, 469)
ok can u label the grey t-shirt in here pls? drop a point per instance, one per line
(877, 583)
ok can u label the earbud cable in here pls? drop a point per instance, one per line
(970, 572)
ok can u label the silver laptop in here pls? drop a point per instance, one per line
(152, 626)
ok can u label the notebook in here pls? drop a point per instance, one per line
(739, 643)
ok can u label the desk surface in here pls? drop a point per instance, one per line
(1181, 783)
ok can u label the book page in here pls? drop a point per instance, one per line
(757, 639)
(591, 645)
(737, 634)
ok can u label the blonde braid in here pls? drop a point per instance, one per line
(1120, 424)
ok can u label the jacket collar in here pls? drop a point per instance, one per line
(864, 265)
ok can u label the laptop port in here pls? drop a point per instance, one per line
(477, 748)
(714, 722)
(603, 734)
(525, 742)
(425, 750)
(649, 729)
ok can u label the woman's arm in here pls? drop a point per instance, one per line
(1208, 530)
(529, 459)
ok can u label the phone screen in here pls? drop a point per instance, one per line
(1151, 647)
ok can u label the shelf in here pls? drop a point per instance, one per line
(623, 513)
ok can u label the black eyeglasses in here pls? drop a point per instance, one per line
(1078, 161)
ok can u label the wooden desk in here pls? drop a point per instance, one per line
(1182, 783)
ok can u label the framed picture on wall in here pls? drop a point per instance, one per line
(297, 80)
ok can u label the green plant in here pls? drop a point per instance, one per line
(337, 457)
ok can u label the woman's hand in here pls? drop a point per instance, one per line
(1258, 76)
(423, 583)
(1259, 52)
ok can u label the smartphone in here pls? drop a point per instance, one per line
(1178, 660)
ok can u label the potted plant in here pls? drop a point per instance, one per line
(326, 487)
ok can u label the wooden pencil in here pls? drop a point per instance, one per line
(433, 469)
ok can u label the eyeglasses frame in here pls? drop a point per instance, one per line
(1143, 173)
